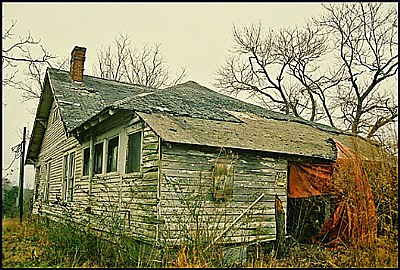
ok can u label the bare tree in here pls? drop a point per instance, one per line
(330, 70)
(122, 62)
(365, 35)
(26, 54)
(276, 67)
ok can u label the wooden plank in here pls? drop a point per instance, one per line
(280, 228)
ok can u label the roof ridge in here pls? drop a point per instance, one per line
(105, 79)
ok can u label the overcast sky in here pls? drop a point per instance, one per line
(196, 36)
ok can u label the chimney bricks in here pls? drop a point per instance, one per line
(77, 63)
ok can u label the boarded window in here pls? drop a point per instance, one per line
(86, 161)
(112, 155)
(98, 158)
(134, 152)
(223, 177)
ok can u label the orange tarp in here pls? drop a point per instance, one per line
(307, 180)
(355, 215)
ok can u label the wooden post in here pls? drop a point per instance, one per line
(280, 228)
(21, 177)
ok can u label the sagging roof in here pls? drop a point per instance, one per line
(193, 100)
(192, 114)
(253, 132)
(185, 113)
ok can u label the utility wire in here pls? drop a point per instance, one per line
(17, 149)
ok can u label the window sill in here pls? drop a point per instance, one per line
(107, 175)
(133, 174)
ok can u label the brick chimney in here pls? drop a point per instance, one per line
(77, 63)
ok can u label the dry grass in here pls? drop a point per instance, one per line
(21, 244)
(27, 244)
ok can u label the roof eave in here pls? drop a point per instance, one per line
(32, 155)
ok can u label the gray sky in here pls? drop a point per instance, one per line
(196, 36)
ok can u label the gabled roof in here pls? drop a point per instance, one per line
(80, 101)
(77, 102)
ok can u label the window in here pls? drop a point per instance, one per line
(223, 179)
(134, 152)
(98, 158)
(64, 179)
(37, 183)
(71, 177)
(67, 189)
(112, 155)
(86, 161)
(46, 188)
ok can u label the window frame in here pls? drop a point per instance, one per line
(68, 176)
(46, 183)
(71, 176)
(107, 155)
(95, 163)
(139, 172)
(86, 167)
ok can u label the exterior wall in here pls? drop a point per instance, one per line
(54, 145)
(112, 201)
(167, 199)
(128, 202)
(187, 204)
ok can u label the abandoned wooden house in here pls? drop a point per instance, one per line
(160, 164)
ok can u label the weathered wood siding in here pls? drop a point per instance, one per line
(54, 145)
(128, 202)
(187, 205)
(168, 199)
(114, 202)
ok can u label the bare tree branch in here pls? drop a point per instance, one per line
(122, 62)
(24, 54)
(336, 68)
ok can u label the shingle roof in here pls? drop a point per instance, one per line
(191, 113)
(193, 100)
(80, 101)
(251, 132)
